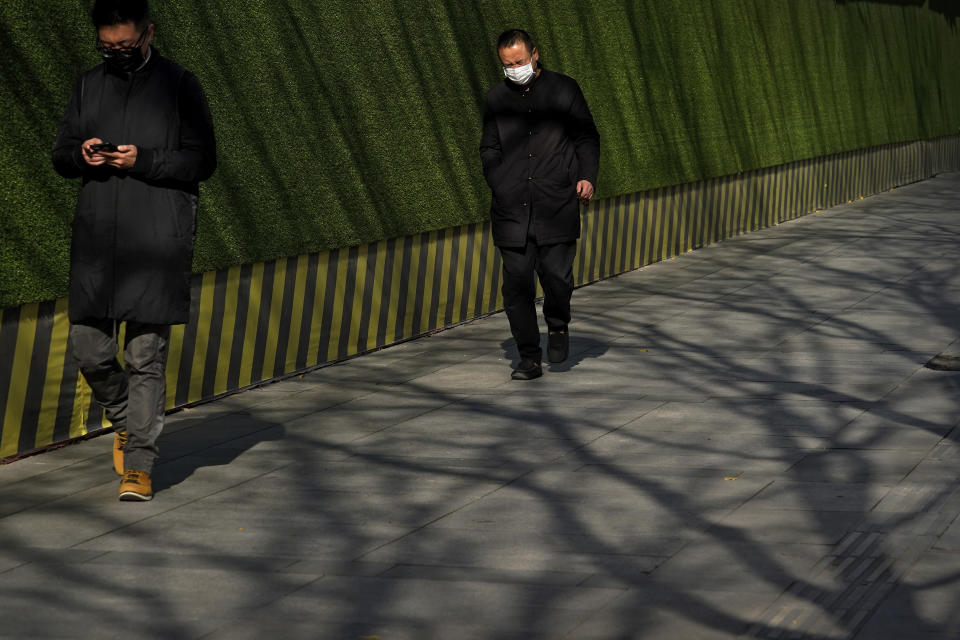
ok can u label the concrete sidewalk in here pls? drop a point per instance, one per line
(745, 443)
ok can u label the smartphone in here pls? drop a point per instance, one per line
(104, 146)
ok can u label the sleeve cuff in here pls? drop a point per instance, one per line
(144, 161)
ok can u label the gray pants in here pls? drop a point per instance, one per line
(133, 398)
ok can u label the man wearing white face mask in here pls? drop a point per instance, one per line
(541, 152)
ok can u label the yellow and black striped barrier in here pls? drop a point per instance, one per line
(263, 321)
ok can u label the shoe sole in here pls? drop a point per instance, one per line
(517, 375)
(133, 496)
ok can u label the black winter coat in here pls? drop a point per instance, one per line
(133, 230)
(536, 146)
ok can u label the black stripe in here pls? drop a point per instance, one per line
(306, 317)
(287, 311)
(189, 343)
(346, 316)
(495, 283)
(8, 348)
(643, 258)
(68, 394)
(634, 214)
(747, 195)
(33, 398)
(433, 321)
(454, 270)
(420, 282)
(386, 292)
(239, 327)
(479, 307)
(605, 248)
(468, 269)
(659, 239)
(404, 287)
(211, 363)
(683, 201)
(596, 227)
(701, 208)
(673, 214)
(584, 243)
(329, 297)
(369, 282)
(263, 321)
(620, 240)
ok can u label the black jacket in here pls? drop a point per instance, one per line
(133, 230)
(536, 146)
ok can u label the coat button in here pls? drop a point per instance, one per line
(529, 155)
(529, 177)
(523, 204)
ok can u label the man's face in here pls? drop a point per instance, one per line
(516, 55)
(124, 36)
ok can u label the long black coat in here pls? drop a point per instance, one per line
(133, 230)
(536, 146)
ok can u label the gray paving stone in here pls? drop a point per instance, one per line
(785, 526)
(740, 567)
(744, 441)
(857, 465)
(821, 496)
(85, 596)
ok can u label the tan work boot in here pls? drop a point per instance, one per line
(119, 442)
(136, 486)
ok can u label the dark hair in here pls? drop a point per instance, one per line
(511, 37)
(109, 12)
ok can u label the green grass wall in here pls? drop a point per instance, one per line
(341, 122)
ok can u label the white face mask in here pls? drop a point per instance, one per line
(520, 75)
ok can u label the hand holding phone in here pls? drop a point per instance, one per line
(109, 147)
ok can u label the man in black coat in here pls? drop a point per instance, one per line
(138, 132)
(540, 151)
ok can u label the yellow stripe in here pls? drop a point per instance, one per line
(174, 353)
(613, 215)
(359, 289)
(376, 300)
(411, 289)
(250, 332)
(396, 280)
(16, 395)
(426, 322)
(207, 291)
(50, 402)
(81, 405)
(462, 268)
(475, 272)
(316, 322)
(226, 354)
(620, 215)
(679, 241)
(343, 262)
(276, 319)
(296, 314)
(445, 266)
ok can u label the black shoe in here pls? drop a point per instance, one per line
(528, 369)
(558, 346)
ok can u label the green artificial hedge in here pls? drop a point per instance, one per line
(341, 122)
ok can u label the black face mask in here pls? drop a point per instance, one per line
(124, 59)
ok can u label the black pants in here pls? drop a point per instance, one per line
(553, 263)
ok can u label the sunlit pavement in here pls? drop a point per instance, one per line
(744, 443)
